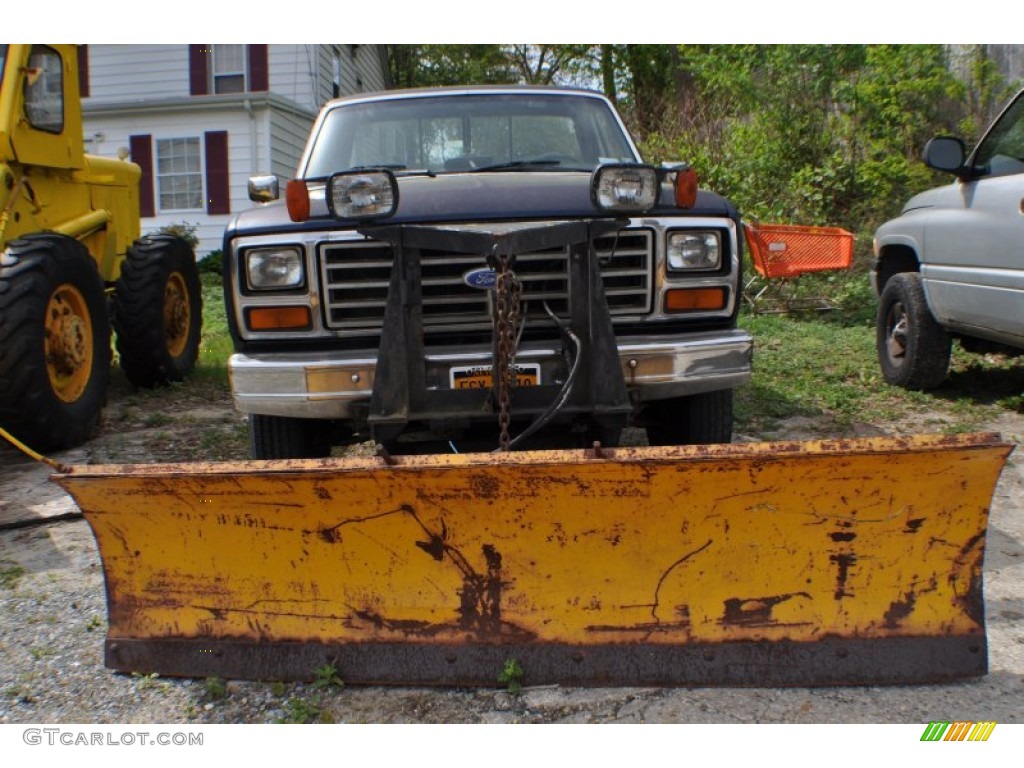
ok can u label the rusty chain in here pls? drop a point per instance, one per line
(508, 292)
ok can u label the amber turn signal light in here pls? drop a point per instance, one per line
(686, 187)
(695, 299)
(279, 319)
(296, 195)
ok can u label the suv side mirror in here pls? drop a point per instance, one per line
(945, 153)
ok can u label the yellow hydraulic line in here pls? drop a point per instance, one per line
(84, 225)
(5, 215)
(30, 453)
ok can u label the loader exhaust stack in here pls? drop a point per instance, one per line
(847, 562)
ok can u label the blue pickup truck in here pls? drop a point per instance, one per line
(434, 239)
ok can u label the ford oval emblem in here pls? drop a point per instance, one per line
(484, 278)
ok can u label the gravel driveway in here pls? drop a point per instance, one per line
(53, 620)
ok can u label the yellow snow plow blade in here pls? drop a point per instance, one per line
(848, 562)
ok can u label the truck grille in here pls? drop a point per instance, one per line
(354, 278)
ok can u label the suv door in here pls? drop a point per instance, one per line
(974, 269)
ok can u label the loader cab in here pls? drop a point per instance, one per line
(40, 117)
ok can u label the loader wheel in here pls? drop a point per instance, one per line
(158, 311)
(913, 349)
(279, 437)
(54, 342)
(692, 420)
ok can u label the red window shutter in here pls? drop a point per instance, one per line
(199, 69)
(259, 77)
(218, 193)
(142, 154)
(83, 71)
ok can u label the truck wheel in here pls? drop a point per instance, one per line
(54, 342)
(913, 349)
(692, 420)
(158, 311)
(279, 437)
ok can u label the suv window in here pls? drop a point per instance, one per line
(462, 133)
(1001, 152)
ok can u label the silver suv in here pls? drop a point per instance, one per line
(952, 264)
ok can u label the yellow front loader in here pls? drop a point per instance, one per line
(73, 269)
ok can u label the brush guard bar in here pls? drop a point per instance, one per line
(400, 395)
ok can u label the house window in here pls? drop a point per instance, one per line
(179, 174)
(224, 69)
(229, 68)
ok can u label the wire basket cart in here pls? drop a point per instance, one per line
(781, 253)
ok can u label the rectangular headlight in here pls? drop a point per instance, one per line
(625, 188)
(694, 251)
(367, 194)
(274, 269)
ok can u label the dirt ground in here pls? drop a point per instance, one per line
(53, 616)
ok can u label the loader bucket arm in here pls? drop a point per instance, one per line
(849, 562)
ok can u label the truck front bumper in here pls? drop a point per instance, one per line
(326, 385)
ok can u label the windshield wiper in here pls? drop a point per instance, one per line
(514, 165)
(398, 168)
(389, 166)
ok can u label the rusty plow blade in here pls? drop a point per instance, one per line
(848, 562)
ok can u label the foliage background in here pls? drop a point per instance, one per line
(808, 134)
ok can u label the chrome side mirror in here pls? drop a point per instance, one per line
(264, 189)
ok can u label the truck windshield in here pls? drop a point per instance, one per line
(470, 132)
(3, 61)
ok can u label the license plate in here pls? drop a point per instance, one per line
(479, 376)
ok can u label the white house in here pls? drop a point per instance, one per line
(201, 119)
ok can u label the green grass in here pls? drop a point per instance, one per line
(824, 367)
(215, 346)
(10, 574)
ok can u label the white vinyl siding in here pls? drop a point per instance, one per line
(137, 72)
(246, 145)
(138, 90)
(288, 135)
(293, 73)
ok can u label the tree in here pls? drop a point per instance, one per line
(416, 66)
(555, 64)
(812, 134)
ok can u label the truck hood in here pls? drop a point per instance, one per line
(476, 197)
(932, 198)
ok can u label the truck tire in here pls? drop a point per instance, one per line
(913, 349)
(158, 311)
(280, 437)
(54, 342)
(693, 420)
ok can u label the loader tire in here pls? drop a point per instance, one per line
(279, 437)
(692, 420)
(158, 311)
(913, 349)
(54, 342)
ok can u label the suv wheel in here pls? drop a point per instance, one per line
(913, 349)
